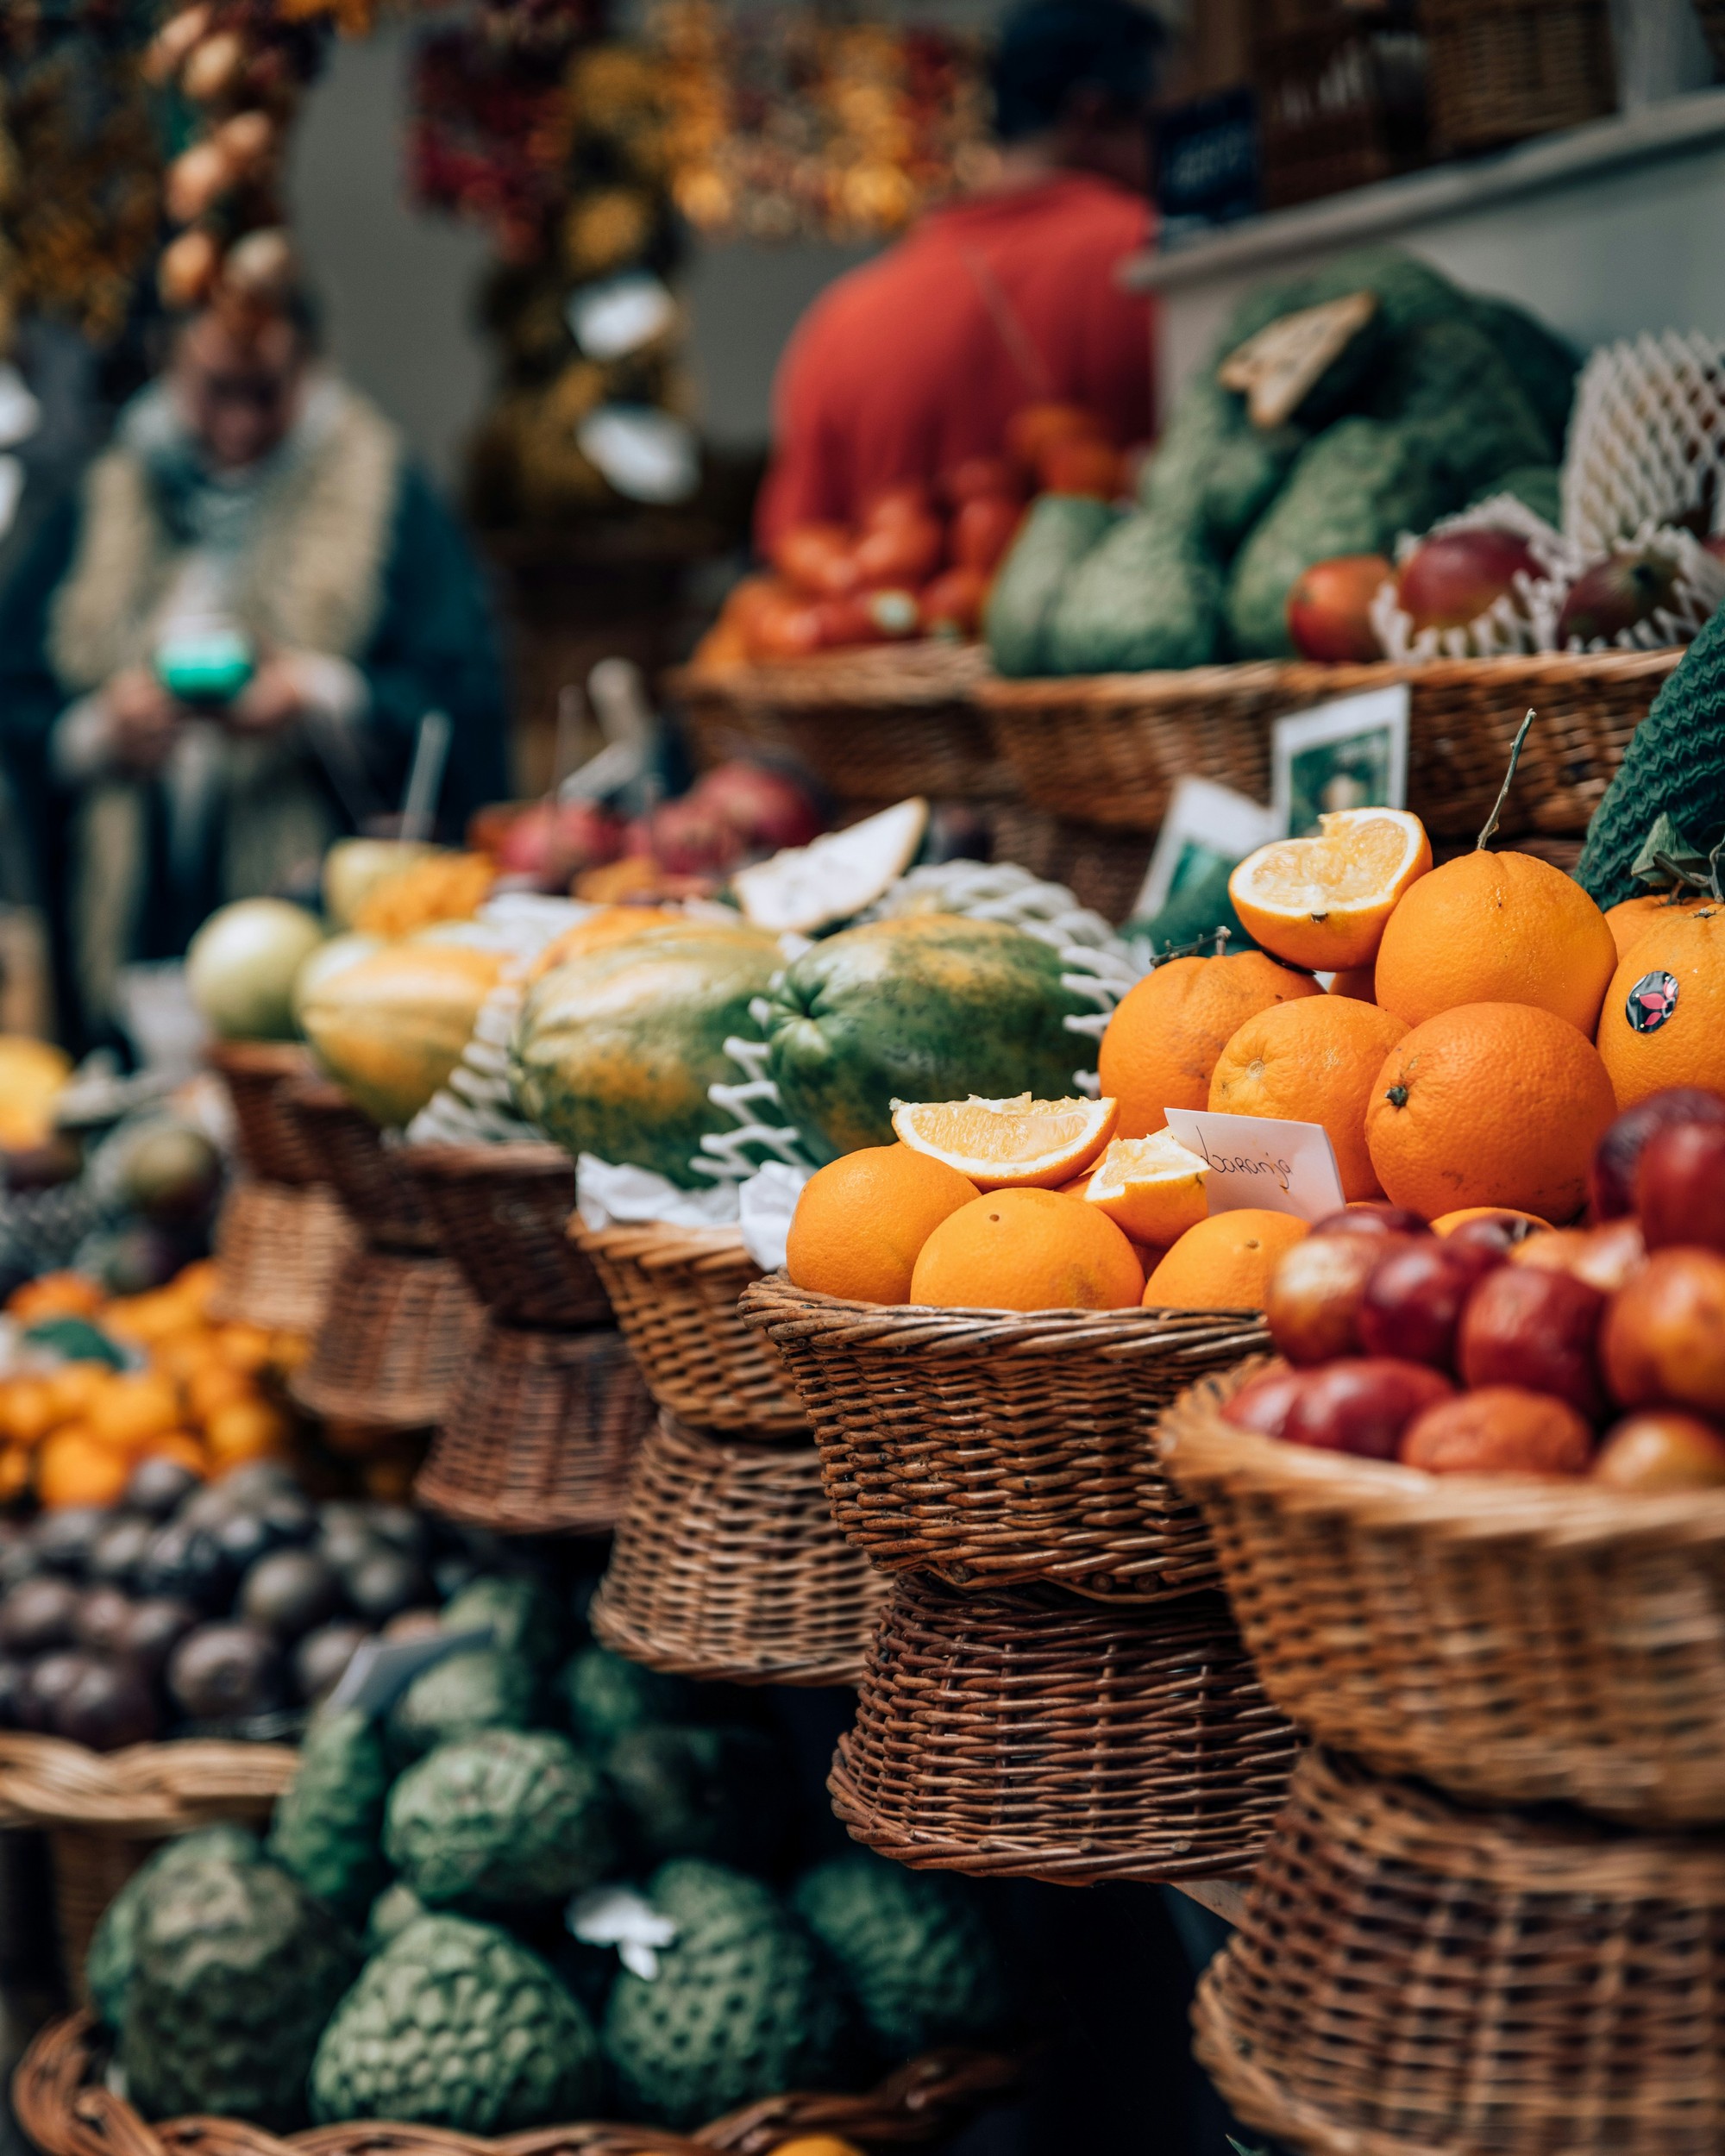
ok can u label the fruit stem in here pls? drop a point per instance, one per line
(1490, 831)
(1223, 934)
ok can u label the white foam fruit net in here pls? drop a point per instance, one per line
(1647, 440)
(1524, 619)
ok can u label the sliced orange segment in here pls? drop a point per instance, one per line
(1152, 1187)
(1322, 902)
(1004, 1144)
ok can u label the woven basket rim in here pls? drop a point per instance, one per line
(260, 1059)
(653, 1244)
(145, 1789)
(773, 1303)
(1544, 670)
(67, 2114)
(926, 670)
(524, 1160)
(1202, 1452)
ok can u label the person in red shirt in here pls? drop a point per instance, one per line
(914, 362)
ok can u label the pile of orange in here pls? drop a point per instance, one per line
(73, 1435)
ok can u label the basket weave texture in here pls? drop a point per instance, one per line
(540, 1433)
(278, 1248)
(399, 1330)
(723, 720)
(1109, 747)
(257, 1076)
(66, 2111)
(502, 1213)
(1102, 870)
(1027, 1734)
(727, 1566)
(990, 1447)
(1409, 1978)
(1511, 1641)
(1501, 70)
(674, 1292)
(370, 1177)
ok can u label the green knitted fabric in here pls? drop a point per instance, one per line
(1675, 764)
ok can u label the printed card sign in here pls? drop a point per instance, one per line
(1255, 1160)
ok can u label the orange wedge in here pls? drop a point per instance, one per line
(1323, 902)
(1008, 1144)
(1152, 1186)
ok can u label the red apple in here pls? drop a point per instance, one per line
(1616, 594)
(982, 530)
(1661, 1449)
(1313, 1307)
(1329, 609)
(1363, 1405)
(1611, 1183)
(1604, 1258)
(1663, 1342)
(1371, 1216)
(1499, 1232)
(1538, 1329)
(1680, 1187)
(1413, 1299)
(687, 838)
(1501, 1429)
(1263, 1402)
(766, 808)
(1453, 580)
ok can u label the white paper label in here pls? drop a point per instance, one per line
(1257, 1160)
(382, 1669)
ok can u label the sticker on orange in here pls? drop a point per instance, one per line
(1259, 1160)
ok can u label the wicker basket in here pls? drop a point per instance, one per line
(674, 1291)
(1511, 1641)
(62, 2104)
(1102, 870)
(1503, 70)
(104, 1812)
(727, 1566)
(1411, 1980)
(1026, 1734)
(257, 1076)
(370, 1177)
(723, 720)
(278, 1248)
(540, 1434)
(502, 1213)
(1109, 749)
(399, 1331)
(991, 1447)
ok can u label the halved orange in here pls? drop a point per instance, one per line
(1152, 1186)
(1002, 1145)
(1323, 902)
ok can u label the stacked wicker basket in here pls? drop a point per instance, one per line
(1523, 1949)
(726, 1564)
(1056, 1690)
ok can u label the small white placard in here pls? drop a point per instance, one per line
(1206, 823)
(1256, 1160)
(1349, 753)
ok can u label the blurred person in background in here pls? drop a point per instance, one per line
(916, 361)
(250, 503)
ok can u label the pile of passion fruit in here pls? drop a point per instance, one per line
(1507, 1346)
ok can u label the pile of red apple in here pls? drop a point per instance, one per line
(921, 559)
(1504, 1347)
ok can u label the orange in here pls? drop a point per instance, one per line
(27, 1412)
(1163, 1040)
(1490, 1104)
(1630, 918)
(1225, 1262)
(1150, 1187)
(74, 1467)
(1447, 1223)
(1027, 1250)
(246, 1430)
(1323, 902)
(1359, 982)
(73, 1387)
(175, 1445)
(147, 1318)
(134, 1408)
(1495, 928)
(1673, 985)
(63, 1294)
(243, 1347)
(182, 1354)
(289, 1349)
(15, 1472)
(217, 1385)
(1000, 1144)
(1312, 1061)
(196, 1283)
(861, 1220)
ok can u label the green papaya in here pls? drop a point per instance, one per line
(1144, 598)
(1059, 532)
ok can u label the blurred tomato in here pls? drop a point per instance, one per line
(908, 501)
(984, 530)
(817, 559)
(908, 550)
(1083, 465)
(746, 601)
(978, 478)
(952, 604)
(788, 629)
(845, 621)
(1034, 429)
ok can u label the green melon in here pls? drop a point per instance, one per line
(928, 1007)
(615, 1051)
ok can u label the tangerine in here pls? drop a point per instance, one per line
(1314, 1061)
(1027, 1250)
(1630, 918)
(1490, 1104)
(133, 1407)
(862, 1219)
(62, 1294)
(245, 1429)
(1664, 1020)
(74, 1467)
(1225, 1262)
(1495, 928)
(1166, 1033)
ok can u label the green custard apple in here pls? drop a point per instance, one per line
(328, 1822)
